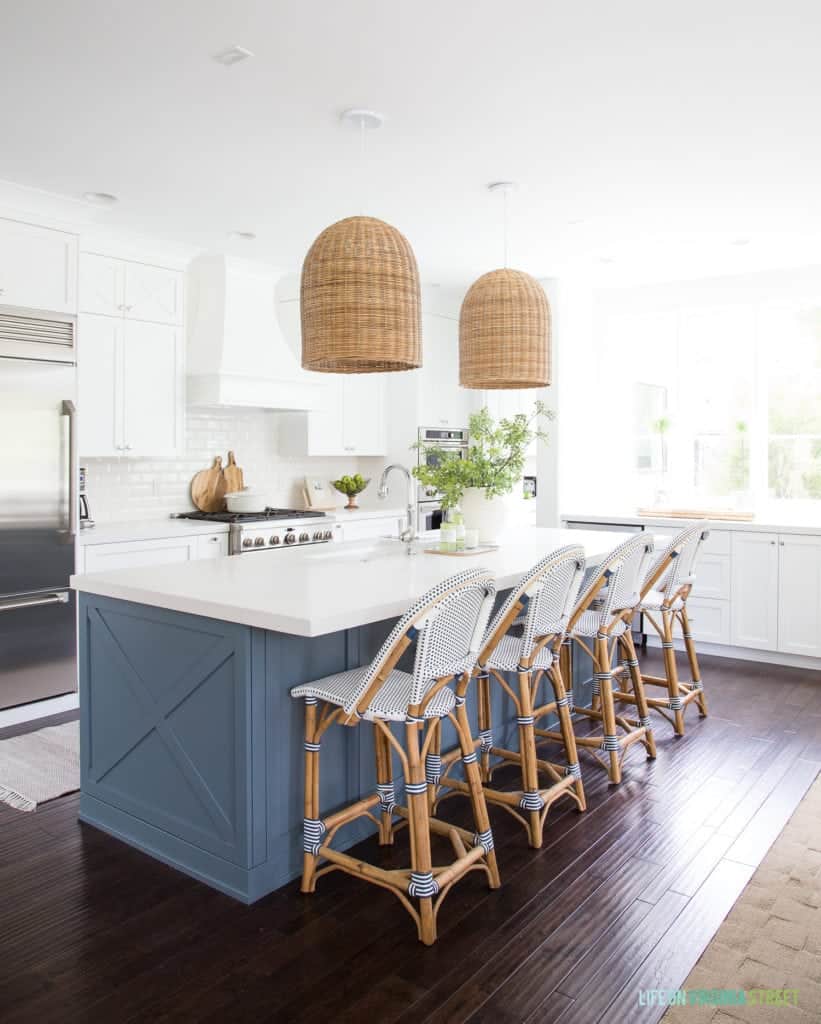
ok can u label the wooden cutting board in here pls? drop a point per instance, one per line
(233, 475)
(208, 488)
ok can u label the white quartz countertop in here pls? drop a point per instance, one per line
(781, 523)
(148, 529)
(325, 587)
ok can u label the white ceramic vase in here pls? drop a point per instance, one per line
(490, 516)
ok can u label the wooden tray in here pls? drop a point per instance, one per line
(480, 550)
(727, 514)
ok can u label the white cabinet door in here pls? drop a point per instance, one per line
(709, 620)
(713, 577)
(152, 388)
(442, 402)
(363, 426)
(212, 545)
(38, 267)
(99, 385)
(102, 285)
(754, 607)
(153, 293)
(799, 595)
(324, 424)
(136, 553)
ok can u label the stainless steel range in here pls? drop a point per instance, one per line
(271, 529)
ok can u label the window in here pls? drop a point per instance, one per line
(726, 396)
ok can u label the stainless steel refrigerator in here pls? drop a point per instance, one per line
(39, 506)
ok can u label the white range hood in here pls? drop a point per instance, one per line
(237, 353)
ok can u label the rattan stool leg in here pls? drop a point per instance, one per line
(384, 786)
(637, 682)
(485, 722)
(477, 794)
(690, 647)
(568, 736)
(532, 800)
(422, 886)
(671, 672)
(311, 803)
(610, 743)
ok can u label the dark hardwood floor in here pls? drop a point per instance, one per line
(623, 897)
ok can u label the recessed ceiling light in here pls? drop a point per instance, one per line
(741, 241)
(573, 223)
(231, 55)
(245, 236)
(606, 259)
(100, 198)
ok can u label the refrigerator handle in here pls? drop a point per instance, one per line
(70, 410)
(9, 604)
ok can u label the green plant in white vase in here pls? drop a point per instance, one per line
(491, 470)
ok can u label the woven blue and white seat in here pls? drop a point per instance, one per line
(600, 624)
(447, 626)
(665, 590)
(540, 604)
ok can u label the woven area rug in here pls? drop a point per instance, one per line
(771, 939)
(40, 766)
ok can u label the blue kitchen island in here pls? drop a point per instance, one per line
(191, 746)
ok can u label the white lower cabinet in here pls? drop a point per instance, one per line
(130, 387)
(799, 595)
(709, 620)
(754, 611)
(215, 545)
(134, 554)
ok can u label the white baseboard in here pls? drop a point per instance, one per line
(39, 709)
(746, 654)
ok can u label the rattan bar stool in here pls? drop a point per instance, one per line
(447, 625)
(602, 615)
(664, 596)
(540, 604)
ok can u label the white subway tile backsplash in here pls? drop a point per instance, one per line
(130, 488)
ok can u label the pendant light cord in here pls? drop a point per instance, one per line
(362, 166)
(504, 225)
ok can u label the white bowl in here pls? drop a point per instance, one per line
(246, 500)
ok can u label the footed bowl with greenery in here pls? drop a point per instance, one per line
(350, 486)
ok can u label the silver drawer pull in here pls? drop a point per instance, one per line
(60, 597)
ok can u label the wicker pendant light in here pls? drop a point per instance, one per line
(360, 295)
(504, 328)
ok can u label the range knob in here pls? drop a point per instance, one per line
(247, 543)
(259, 542)
(319, 535)
(303, 537)
(290, 538)
(274, 540)
(328, 535)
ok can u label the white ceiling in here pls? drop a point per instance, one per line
(646, 133)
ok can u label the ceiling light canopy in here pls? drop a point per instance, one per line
(504, 327)
(360, 296)
(232, 55)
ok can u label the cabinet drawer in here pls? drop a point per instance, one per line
(709, 620)
(712, 576)
(212, 545)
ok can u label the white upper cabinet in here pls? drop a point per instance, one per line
(442, 402)
(38, 268)
(349, 418)
(100, 385)
(799, 601)
(754, 605)
(130, 387)
(137, 291)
